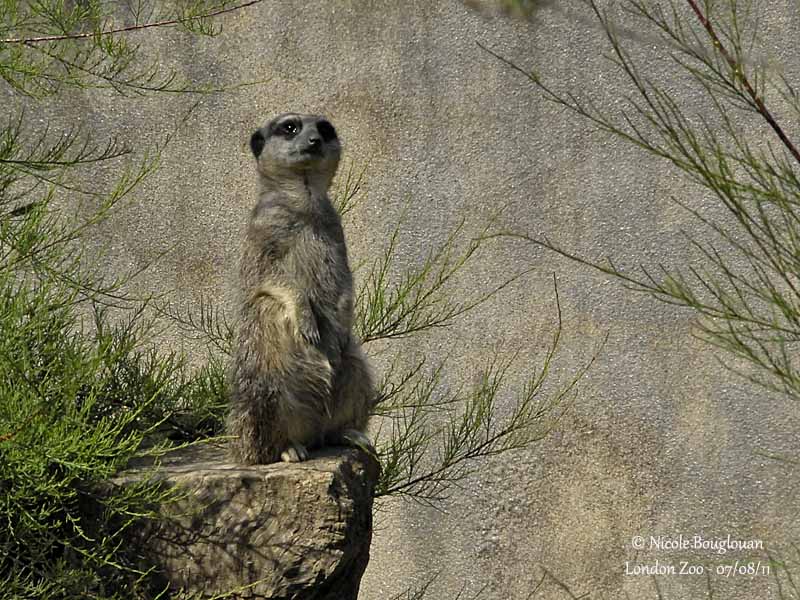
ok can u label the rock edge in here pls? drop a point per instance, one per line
(290, 531)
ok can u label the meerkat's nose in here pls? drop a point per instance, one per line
(314, 140)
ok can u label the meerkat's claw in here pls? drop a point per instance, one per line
(308, 330)
(294, 453)
(311, 336)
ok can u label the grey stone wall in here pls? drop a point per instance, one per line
(662, 441)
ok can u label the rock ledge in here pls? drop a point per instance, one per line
(288, 531)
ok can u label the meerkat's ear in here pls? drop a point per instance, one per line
(257, 142)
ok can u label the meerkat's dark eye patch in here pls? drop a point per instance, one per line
(257, 142)
(289, 128)
(326, 130)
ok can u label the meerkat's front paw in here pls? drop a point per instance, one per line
(294, 453)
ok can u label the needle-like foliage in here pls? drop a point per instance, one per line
(48, 44)
(431, 439)
(745, 289)
(82, 389)
(736, 142)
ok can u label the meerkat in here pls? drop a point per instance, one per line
(299, 378)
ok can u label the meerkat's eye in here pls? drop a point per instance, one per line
(326, 130)
(289, 128)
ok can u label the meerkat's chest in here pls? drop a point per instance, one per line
(307, 247)
(323, 255)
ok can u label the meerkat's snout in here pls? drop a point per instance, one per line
(310, 143)
(314, 143)
(313, 137)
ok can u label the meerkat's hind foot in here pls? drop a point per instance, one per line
(294, 453)
(355, 439)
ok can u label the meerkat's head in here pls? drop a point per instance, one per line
(297, 147)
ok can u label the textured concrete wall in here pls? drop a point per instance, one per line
(661, 441)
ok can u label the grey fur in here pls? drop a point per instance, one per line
(299, 378)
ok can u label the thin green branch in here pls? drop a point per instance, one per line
(128, 29)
